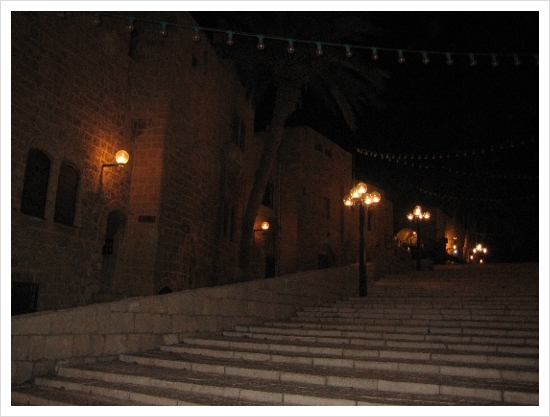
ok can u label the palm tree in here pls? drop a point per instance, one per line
(344, 85)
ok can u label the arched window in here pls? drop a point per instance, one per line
(65, 200)
(35, 187)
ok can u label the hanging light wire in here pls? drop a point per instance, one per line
(514, 57)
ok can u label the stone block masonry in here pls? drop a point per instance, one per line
(96, 332)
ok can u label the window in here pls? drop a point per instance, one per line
(65, 200)
(35, 187)
(267, 199)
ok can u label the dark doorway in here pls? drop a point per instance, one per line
(113, 233)
(270, 266)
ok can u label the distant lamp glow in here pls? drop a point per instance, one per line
(264, 227)
(494, 61)
(473, 61)
(517, 62)
(374, 55)
(417, 215)
(449, 59)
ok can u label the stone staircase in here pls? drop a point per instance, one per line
(458, 335)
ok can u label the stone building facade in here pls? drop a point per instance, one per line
(87, 231)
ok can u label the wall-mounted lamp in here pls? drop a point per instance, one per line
(121, 158)
(263, 228)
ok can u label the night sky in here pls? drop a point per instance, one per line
(488, 116)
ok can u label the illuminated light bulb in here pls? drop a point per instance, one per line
(130, 25)
(367, 199)
(449, 60)
(425, 58)
(473, 61)
(196, 34)
(361, 188)
(290, 48)
(348, 202)
(494, 61)
(374, 54)
(401, 58)
(229, 40)
(349, 54)
(319, 50)
(163, 30)
(265, 225)
(261, 44)
(122, 157)
(376, 197)
(97, 19)
(517, 62)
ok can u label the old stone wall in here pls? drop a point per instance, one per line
(96, 332)
(69, 100)
(81, 92)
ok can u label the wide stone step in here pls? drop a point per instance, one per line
(433, 361)
(401, 381)
(287, 391)
(44, 395)
(529, 337)
(519, 322)
(132, 391)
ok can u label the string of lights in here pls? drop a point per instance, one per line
(291, 44)
(403, 157)
(449, 197)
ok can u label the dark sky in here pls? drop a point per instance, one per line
(486, 115)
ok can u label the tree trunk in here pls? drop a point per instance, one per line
(286, 99)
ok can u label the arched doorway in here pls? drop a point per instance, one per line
(113, 235)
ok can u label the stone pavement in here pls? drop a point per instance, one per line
(455, 335)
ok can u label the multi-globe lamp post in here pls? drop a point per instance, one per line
(358, 196)
(417, 215)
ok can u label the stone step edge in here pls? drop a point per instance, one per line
(311, 374)
(230, 339)
(444, 368)
(384, 387)
(299, 328)
(333, 336)
(137, 394)
(241, 394)
(37, 395)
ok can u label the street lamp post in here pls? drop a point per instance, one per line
(358, 196)
(418, 215)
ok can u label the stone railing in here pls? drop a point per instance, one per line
(40, 341)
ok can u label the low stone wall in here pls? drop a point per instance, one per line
(96, 332)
